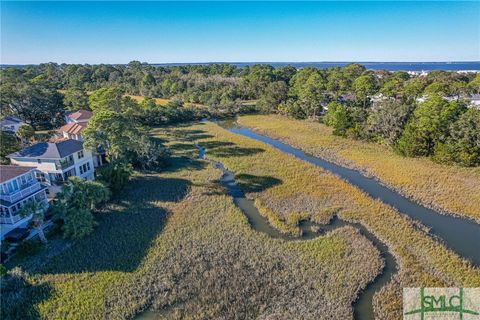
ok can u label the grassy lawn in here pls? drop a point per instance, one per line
(301, 190)
(175, 241)
(163, 102)
(449, 188)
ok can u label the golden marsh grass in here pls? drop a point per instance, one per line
(306, 189)
(447, 188)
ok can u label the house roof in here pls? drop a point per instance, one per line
(10, 172)
(9, 120)
(73, 128)
(80, 115)
(49, 150)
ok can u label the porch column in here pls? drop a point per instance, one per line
(10, 215)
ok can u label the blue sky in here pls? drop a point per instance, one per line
(156, 32)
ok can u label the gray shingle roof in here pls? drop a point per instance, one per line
(49, 150)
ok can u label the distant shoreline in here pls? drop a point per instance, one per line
(465, 66)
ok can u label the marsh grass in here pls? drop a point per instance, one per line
(313, 192)
(451, 189)
(284, 226)
(175, 242)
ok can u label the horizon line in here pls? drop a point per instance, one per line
(239, 62)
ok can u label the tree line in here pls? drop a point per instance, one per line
(416, 115)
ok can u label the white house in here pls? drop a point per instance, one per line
(76, 122)
(475, 101)
(17, 186)
(422, 73)
(11, 124)
(56, 161)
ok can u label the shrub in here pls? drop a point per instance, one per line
(115, 175)
(28, 248)
(3, 270)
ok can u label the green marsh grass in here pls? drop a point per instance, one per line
(174, 241)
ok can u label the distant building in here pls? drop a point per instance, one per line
(422, 73)
(378, 98)
(56, 161)
(475, 100)
(346, 97)
(78, 116)
(72, 130)
(421, 99)
(17, 186)
(11, 124)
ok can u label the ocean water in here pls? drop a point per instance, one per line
(390, 66)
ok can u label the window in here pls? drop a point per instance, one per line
(12, 186)
(39, 160)
(69, 173)
(84, 167)
(80, 154)
(40, 176)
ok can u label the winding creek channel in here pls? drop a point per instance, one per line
(363, 307)
(462, 235)
(459, 234)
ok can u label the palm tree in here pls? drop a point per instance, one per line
(74, 204)
(37, 211)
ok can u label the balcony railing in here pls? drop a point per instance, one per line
(8, 218)
(58, 182)
(60, 165)
(22, 193)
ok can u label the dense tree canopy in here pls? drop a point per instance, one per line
(428, 126)
(275, 94)
(75, 99)
(32, 101)
(386, 107)
(112, 126)
(386, 120)
(8, 144)
(463, 143)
